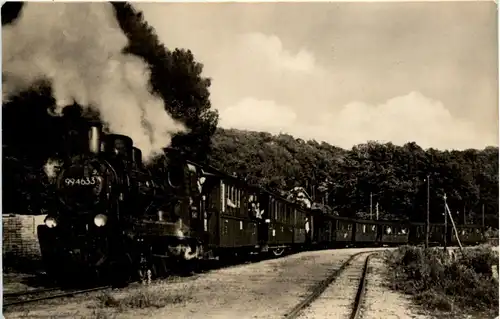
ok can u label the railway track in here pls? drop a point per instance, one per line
(44, 294)
(341, 295)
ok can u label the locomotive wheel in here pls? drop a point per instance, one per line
(278, 251)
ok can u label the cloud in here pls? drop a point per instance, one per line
(273, 55)
(411, 117)
(330, 77)
(291, 93)
(257, 65)
(254, 114)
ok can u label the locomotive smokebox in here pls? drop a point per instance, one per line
(119, 145)
(137, 156)
(95, 138)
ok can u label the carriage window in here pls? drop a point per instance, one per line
(404, 231)
(388, 230)
(275, 209)
(280, 216)
(349, 226)
(233, 196)
(300, 219)
(364, 228)
(283, 212)
(286, 217)
(374, 228)
(272, 210)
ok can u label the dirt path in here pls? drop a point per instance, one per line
(381, 301)
(266, 289)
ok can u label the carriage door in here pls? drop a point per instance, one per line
(264, 222)
(195, 200)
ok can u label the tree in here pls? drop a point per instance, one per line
(176, 77)
(394, 175)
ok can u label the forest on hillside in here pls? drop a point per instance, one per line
(394, 177)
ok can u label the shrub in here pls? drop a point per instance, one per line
(144, 298)
(445, 280)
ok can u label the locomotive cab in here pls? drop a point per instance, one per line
(116, 145)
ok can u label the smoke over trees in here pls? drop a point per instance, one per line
(31, 134)
(176, 76)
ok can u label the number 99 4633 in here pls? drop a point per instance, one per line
(84, 181)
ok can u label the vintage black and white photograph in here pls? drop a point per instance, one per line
(250, 160)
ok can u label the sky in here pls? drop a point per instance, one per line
(346, 73)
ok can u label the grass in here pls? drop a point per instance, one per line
(453, 283)
(146, 297)
(109, 306)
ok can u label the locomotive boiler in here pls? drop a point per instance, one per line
(112, 217)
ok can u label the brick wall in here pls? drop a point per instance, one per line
(19, 239)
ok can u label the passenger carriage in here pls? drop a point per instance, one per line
(394, 233)
(436, 234)
(323, 226)
(367, 232)
(343, 231)
(468, 235)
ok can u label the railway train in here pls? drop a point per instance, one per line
(115, 218)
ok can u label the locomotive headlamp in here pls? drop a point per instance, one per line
(100, 220)
(50, 222)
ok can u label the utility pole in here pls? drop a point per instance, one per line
(427, 220)
(465, 221)
(371, 205)
(376, 210)
(445, 223)
(482, 220)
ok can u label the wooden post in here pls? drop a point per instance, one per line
(427, 220)
(454, 228)
(482, 221)
(482, 215)
(465, 220)
(371, 205)
(445, 223)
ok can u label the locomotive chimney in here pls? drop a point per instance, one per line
(137, 156)
(95, 138)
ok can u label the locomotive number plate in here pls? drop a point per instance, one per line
(84, 181)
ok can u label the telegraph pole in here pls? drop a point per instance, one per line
(482, 219)
(445, 223)
(371, 205)
(376, 211)
(427, 220)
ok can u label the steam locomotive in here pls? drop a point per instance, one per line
(112, 214)
(115, 219)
